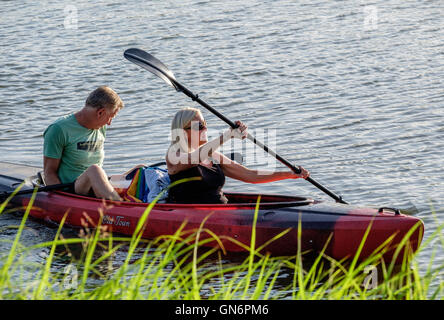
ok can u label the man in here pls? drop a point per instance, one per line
(73, 146)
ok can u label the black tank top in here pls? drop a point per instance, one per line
(206, 190)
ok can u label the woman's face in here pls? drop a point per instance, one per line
(197, 131)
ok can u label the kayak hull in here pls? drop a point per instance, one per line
(284, 225)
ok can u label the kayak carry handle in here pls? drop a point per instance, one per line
(396, 211)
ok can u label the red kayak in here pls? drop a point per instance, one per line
(345, 224)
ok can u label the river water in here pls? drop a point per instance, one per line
(351, 90)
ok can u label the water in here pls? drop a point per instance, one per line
(353, 89)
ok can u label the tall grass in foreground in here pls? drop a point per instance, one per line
(177, 267)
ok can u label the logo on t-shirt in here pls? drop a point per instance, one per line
(90, 146)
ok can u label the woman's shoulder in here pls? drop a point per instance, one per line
(174, 165)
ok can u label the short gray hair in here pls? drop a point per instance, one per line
(104, 97)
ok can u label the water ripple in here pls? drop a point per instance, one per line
(360, 106)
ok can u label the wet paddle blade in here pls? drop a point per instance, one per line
(145, 60)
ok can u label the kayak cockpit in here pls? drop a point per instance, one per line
(28, 174)
(235, 200)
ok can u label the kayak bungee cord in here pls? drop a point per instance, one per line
(147, 61)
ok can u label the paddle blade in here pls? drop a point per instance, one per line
(147, 61)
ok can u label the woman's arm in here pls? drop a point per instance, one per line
(237, 171)
(178, 161)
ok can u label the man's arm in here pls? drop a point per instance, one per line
(50, 168)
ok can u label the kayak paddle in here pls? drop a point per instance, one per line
(53, 187)
(147, 61)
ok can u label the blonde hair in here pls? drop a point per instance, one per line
(182, 119)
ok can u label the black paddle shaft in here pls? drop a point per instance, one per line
(152, 64)
(53, 187)
(294, 168)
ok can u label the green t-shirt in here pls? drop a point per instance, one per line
(76, 146)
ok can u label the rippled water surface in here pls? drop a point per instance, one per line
(353, 90)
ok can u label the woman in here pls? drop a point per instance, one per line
(192, 155)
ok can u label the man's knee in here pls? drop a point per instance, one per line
(94, 170)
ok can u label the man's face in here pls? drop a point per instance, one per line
(105, 116)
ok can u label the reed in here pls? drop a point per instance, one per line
(179, 267)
